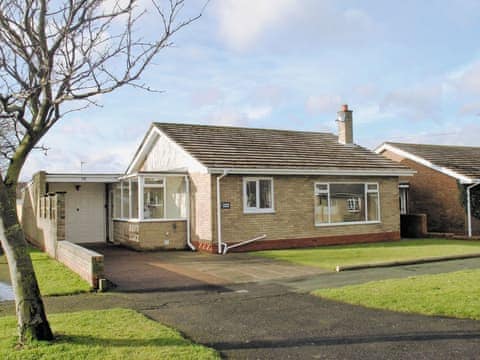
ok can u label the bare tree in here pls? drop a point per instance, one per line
(56, 57)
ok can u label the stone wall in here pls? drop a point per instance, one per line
(293, 224)
(151, 235)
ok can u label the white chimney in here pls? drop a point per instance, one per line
(345, 127)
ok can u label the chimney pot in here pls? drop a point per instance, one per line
(344, 107)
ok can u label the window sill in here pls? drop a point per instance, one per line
(247, 212)
(148, 220)
(349, 223)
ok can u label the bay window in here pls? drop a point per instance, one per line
(346, 203)
(258, 195)
(150, 197)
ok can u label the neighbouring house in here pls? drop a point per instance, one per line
(218, 188)
(443, 174)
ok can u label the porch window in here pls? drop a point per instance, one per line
(346, 203)
(150, 197)
(154, 198)
(258, 195)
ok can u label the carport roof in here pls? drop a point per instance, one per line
(82, 177)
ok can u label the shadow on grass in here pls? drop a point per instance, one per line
(95, 341)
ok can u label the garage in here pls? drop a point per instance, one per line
(86, 210)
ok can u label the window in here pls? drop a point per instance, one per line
(154, 198)
(258, 195)
(403, 193)
(343, 203)
(150, 197)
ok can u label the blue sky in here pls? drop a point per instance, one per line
(409, 70)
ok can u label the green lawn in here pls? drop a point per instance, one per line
(104, 334)
(454, 294)
(328, 257)
(53, 277)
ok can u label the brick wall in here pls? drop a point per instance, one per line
(86, 263)
(294, 213)
(434, 194)
(151, 235)
(202, 203)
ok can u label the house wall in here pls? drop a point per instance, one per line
(434, 194)
(167, 155)
(293, 224)
(202, 203)
(151, 235)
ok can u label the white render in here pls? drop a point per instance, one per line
(159, 153)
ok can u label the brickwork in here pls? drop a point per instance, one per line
(152, 235)
(434, 194)
(86, 263)
(202, 203)
(294, 214)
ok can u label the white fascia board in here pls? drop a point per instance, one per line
(82, 178)
(444, 170)
(145, 148)
(326, 171)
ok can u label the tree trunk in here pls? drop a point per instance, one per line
(32, 320)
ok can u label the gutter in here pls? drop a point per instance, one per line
(219, 214)
(469, 208)
(323, 171)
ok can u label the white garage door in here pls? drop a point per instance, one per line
(84, 211)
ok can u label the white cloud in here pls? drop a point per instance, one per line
(242, 22)
(246, 24)
(467, 79)
(206, 97)
(257, 113)
(420, 101)
(323, 103)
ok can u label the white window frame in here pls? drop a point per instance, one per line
(403, 195)
(257, 209)
(366, 192)
(162, 186)
(127, 182)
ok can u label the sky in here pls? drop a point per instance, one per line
(409, 70)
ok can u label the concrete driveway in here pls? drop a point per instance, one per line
(178, 270)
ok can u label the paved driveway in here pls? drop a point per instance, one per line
(177, 270)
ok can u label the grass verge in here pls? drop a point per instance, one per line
(329, 257)
(455, 294)
(53, 277)
(103, 334)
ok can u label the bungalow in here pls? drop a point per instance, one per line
(443, 174)
(218, 188)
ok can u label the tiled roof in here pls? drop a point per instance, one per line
(464, 160)
(235, 147)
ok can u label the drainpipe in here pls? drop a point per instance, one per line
(187, 189)
(219, 209)
(227, 247)
(469, 209)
